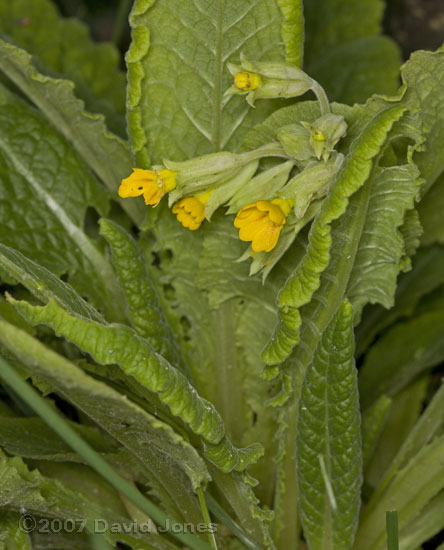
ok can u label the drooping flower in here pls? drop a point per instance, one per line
(261, 223)
(190, 211)
(152, 184)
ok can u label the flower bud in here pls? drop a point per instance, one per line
(268, 80)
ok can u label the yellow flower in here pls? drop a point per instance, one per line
(247, 81)
(190, 211)
(152, 184)
(261, 223)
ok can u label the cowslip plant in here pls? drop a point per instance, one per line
(221, 319)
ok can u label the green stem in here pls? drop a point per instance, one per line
(67, 434)
(121, 20)
(322, 98)
(392, 530)
(207, 519)
(229, 398)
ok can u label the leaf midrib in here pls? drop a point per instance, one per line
(75, 233)
(217, 93)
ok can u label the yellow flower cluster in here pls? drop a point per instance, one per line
(259, 223)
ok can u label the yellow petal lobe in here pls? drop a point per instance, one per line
(261, 223)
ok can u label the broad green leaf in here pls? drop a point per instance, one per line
(329, 459)
(63, 47)
(344, 51)
(373, 421)
(105, 153)
(426, 275)
(118, 344)
(177, 72)
(402, 416)
(11, 536)
(353, 71)
(404, 352)
(430, 212)
(45, 190)
(413, 488)
(306, 279)
(143, 305)
(423, 77)
(165, 454)
(43, 284)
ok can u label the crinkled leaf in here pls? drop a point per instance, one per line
(12, 537)
(118, 344)
(43, 284)
(152, 441)
(329, 458)
(22, 488)
(177, 71)
(426, 275)
(143, 305)
(299, 288)
(423, 77)
(63, 47)
(105, 153)
(382, 246)
(45, 190)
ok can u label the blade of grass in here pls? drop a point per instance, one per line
(54, 420)
(392, 530)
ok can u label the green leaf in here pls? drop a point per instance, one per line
(105, 153)
(30, 438)
(425, 526)
(382, 247)
(423, 77)
(40, 496)
(413, 487)
(306, 279)
(353, 71)
(118, 344)
(163, 451)
(177, 71)
(63, 47)
(430, 212)
(143, 305)
(329, 440)
(373, 421)
(45, 192)
(11, 536)
(345, 52)
(428, 426)
(404, 352)
(402, 416)
(43, 284)
(426, 275)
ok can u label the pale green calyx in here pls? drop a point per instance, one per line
(309, 140)
(259, 80)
